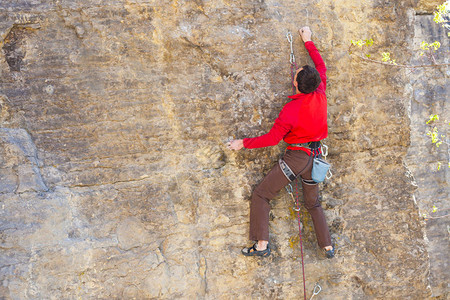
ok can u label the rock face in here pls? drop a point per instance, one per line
(429, 90)
(115, 182)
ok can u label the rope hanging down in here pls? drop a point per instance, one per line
(297, 209)
(289, 189)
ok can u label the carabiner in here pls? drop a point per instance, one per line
(289, 36)
(316, 291)
(324, 150)
(290, 190)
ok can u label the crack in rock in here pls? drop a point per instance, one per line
(19, 143)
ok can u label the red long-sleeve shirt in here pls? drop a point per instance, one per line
(304, 119)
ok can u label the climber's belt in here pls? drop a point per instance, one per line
(286, 170)
(309, 145)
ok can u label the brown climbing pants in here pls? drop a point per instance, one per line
(274, 181)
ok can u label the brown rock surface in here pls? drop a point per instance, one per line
(115, 180)
(429, 92)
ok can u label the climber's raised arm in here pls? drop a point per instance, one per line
(305, 33)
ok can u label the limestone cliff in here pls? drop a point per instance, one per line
(115, 182)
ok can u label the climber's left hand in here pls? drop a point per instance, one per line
(236, 144)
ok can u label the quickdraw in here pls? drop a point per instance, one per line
(292, 60)
(290, 191)
(291, 40)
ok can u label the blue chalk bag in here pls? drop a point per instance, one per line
(321, 168)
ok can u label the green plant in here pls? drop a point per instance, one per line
(441, 15)
(427, 51)
(437, 138)
(362, 46)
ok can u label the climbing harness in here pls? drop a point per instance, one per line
(286, 170)
(321, 168)
(309, 145)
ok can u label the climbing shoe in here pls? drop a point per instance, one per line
(253, 252)
(329, 253)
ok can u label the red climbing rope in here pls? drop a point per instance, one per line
(300, 235)
(293, 70)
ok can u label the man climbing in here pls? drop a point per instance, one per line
(302, 123)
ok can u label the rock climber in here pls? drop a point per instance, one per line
(302, 123)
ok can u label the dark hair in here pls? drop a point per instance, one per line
(308, 79)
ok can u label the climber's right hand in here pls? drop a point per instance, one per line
(305, 33)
